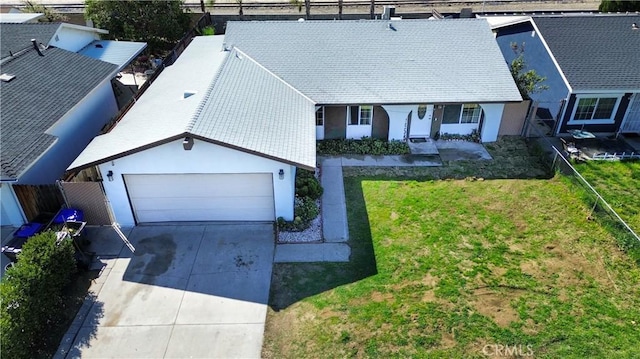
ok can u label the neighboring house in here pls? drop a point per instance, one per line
(219, 134)
(591, 63)
(20, 17)
(54, 101)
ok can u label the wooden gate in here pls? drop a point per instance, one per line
(43, 200)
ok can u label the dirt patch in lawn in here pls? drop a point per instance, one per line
(496, 305)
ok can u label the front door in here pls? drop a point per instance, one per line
(420, 125)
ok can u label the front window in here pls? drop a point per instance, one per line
(366, 114)
(456, 114)
(360, 115)
(594, 108)
(320, 116)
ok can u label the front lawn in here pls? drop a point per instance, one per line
(619, 184)
(450, 268)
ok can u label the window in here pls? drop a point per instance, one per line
(361, 115)
(594, 108)
(470, 113)
(320, 116)
(366, 114)
(456, 114)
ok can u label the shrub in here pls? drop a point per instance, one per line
(364, 146)
(307, 185)
(32, 296)
(304, 212)
(474, 136)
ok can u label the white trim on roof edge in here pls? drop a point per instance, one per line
(553, 58)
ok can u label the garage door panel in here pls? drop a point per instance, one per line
(201, 197)
(150, 185)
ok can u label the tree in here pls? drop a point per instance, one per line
(49, 14)
(528, 81)
(619, 6)
(160, 23)
(299, 3)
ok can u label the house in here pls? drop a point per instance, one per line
(219, 134)
(55, 99)
(20, 17)
(591, 67)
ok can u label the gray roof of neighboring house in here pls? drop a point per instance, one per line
(595, 52)
(118, 53)
(16, 37)
(44, 89)
(231, 91)
(244, 90)
(381, 62)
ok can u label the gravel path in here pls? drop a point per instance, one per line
(311, 234)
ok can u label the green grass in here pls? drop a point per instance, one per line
(442, 268)
(619, 184)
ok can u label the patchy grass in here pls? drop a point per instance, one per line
(444, 268)
(619, 184)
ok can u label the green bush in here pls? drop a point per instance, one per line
(364, 146)
(307, 185)
(32, 297)
(304, 212)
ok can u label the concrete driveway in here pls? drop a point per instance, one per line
(189, 291)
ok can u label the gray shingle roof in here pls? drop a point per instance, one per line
(595, 52)
(44, 90)
(248, 107)
(414, 61)
(16, 37)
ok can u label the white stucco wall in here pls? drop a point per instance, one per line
(11, 213)
(204, 157)
(398, 119)
(458, 128)
(492, 119)
(71, 39)
(74, 131)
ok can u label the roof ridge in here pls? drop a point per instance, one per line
(16, 55)
(274, 75)
(203, 100)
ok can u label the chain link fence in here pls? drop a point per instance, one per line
(600, 210)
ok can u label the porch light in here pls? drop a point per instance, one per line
(281, 174)
(110, 176)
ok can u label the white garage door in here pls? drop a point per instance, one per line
(201, 197)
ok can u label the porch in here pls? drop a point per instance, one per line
(624, 147)
(455, 150)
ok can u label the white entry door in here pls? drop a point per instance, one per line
(201, 197)
(420, 125)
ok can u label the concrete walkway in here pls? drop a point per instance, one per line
(384, 161)
(334, 223)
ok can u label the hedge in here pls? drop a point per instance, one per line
(32, 297)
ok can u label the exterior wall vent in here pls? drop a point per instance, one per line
(7, 77)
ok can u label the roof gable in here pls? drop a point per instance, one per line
(17, 37)
(250, 108)
(595, 52)
(381, 62)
